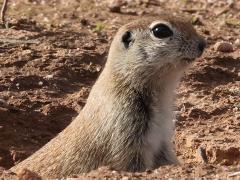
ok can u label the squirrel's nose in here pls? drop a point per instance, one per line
(201, 45)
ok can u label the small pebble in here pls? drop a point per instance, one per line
(223, 47)
(2, 101)
(211, 1)
(40, 83)
(234, 174)
(190, 140)
(84, 22)
(98, 69)
(115, 5)
(230, 3)
(26, 174)
(26, 52)
(125, 178)
(48, 77)
(237, 42)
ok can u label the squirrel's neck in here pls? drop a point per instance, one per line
(137, 118)
(122, 102)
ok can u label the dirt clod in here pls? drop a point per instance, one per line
(115, 5)
(237, 43)
(223, 47)
(25, 174)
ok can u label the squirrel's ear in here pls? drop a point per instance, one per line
(127, 39)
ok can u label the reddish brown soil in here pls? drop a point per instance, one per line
(48, 80)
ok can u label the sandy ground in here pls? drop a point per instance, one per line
(53, 51)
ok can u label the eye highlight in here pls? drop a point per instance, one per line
(161, 31)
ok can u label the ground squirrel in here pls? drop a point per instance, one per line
(127, 122)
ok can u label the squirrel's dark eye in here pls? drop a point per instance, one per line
(161, 31)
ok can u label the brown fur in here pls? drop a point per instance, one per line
(127, 121)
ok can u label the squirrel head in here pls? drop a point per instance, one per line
(155, 45)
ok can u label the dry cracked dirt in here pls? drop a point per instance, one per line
(52, 52)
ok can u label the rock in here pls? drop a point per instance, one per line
(88, 46)
(3, 103)
(211, 1)
(26, 52)
(224, 46)
(222, 154)
(201, 155)
(18, 156)
(40, 83)
(190, 140)
(115, 5)
(237, 43)
(48, 77)
(198, 113)
(84, 22)
(7, 175)
(26, 174)
(196, 21)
